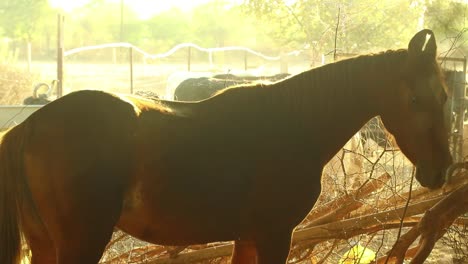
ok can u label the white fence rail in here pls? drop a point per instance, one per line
(132, 68)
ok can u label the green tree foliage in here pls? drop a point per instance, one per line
(355, 25)
(209, 25)
(218, 26)
(20, 19)
(99, 22)
(168, 29)
(449, 20)
(359, 26)
(352, 26)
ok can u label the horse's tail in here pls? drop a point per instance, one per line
(12, 182)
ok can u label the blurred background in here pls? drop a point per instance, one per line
(265, 37)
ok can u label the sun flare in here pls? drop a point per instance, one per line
(144, 8)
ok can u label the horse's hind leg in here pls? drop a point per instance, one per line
(83, 235)
(86, 248)
(91, 213)
(39, 242)
(80, 211)
(244, 252)
(43, 249)
(36, 235)
(42, 253)
(273, 247)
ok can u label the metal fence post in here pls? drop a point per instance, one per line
(189, 55)
(130, 52)
(245, 60)
(60, 20)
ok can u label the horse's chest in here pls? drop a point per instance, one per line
(290, 185)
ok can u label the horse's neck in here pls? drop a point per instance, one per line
(335, 102)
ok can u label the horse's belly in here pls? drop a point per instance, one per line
(169, 219)
(160, 233)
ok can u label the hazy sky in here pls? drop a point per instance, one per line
(144, 8)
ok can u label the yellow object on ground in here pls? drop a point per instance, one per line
(358, 255)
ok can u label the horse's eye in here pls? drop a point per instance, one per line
(414, 100)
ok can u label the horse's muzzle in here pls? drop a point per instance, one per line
(429, 178)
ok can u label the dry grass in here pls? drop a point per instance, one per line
(15, 85)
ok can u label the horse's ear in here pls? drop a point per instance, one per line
(423, 42)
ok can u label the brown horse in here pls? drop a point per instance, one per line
(244, 165)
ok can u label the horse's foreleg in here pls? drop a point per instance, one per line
(273, 247)
(244, 252)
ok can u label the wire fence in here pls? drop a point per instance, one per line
(123, 67)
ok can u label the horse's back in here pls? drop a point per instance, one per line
(81, 129)
(86, 107)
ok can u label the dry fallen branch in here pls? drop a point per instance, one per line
(432, 226)
(341, 206)
(199, 255)
(436, 221)
(334, 229)
(420, 194)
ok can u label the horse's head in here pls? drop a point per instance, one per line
(414, 111)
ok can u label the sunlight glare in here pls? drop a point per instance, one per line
(144, 8)
(67, 5)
